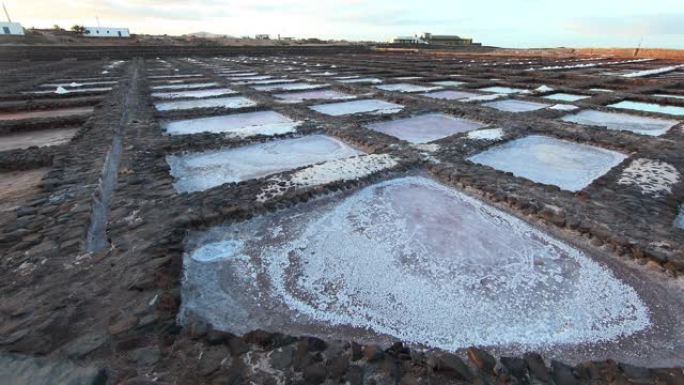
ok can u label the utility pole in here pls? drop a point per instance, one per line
(6, 13)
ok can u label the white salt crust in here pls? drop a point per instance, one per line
(486, 134)
(332, 171)
(418, 261)
(652, 177)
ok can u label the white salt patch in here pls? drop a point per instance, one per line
(450, 95)
(372, 106)
(194, 94)
(652, 177)
(332, 171)
(418, 261)
(563, 97)
(486, 134)
(600, 90)
(448, 83)
(503, 90)
(649, 107)
(669, 96)
(543, 88)
(227, 102)
(239, 125)
(185, 86)
(615, 121)
(563, 107)
(361, 81)
(425, 128)
(201, 171)
(651, 72)
(408, 78)
(568, 165)
(513, 105)
(483, 98)
(61, 91)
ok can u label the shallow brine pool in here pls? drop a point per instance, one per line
(372, 106)
(623, 122)
(201, 171)
(566, 97)
(512, 105)
(227, 102)
(289, 87)
(194, 94)
(298, 97)
(243, 124)
(406, 87)
(425, 128)
(44, 114)
(411, 259)
(450, 95)
(649, 107)
(40, 138)
(184, 86)
(503, 90)
(568, 165)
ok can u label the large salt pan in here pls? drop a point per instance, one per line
(412, 259)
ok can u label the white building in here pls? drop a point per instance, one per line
(8, 28)
(106, 32)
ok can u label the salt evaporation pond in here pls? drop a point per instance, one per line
(43, 114)
(513, 105)
(622, 122)
(185, 86)
(298, 97)
(194, 94)
(649, 107)
(568, 165)
(40, 138)
(289, 87)
(669, 96)
(227, 102)
(410, 259)
(450, 95)
(243, 125)
(679, 221)
(373, 106)
(360, 81)
(406, 87)
(202, 171)
(425, 128)
(448, 83)
(566, 97)
(503, 90)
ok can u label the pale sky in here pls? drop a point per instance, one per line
(505, 23)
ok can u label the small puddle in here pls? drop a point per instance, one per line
(406, 87)
(568, 165)
(299, 97)
(39, 138)
(243, 124)
(228, 102)
(622, 122)
(373, 106)
(201, 171)
(425, 128)
(679, 221)
(649, 107)
(44, 114)
(513, 105)
(194, 94)
(566, 97)
(450, 95)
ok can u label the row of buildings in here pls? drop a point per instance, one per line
(16, 29)
(430, 39)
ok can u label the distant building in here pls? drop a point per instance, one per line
(263, 37)
(428, 38)
(106, 32)
(8, 28)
